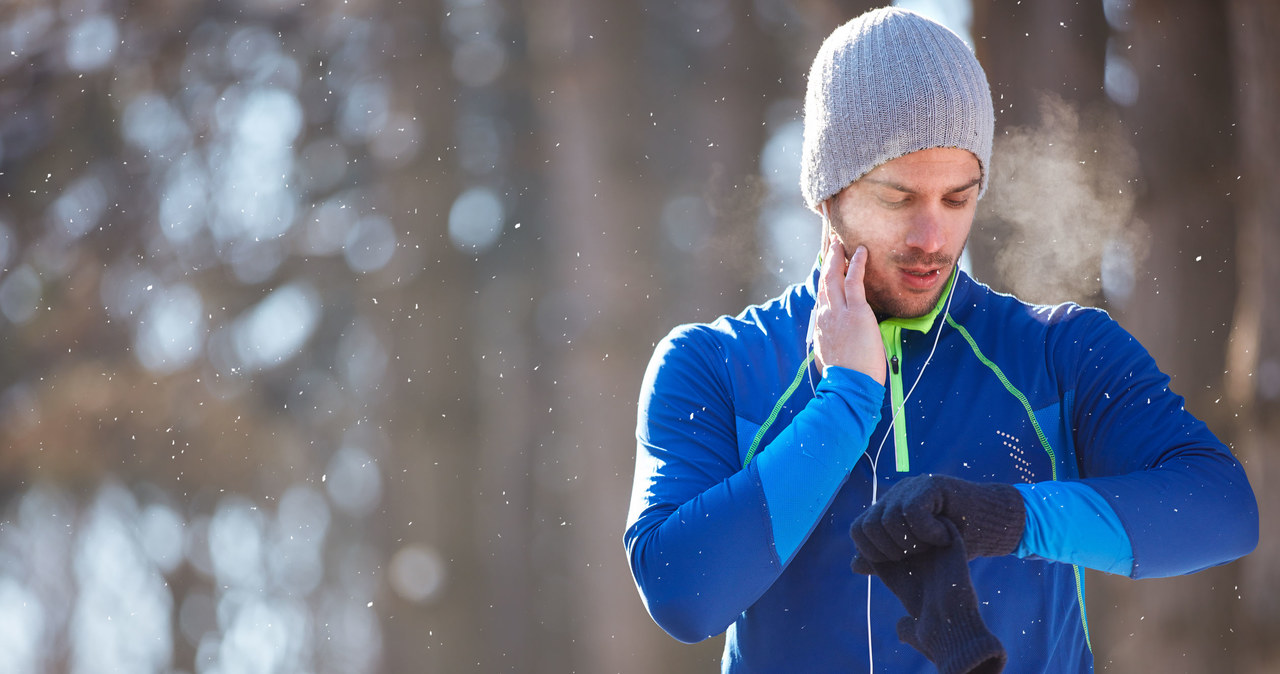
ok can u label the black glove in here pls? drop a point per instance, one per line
(944, 623)
(907, 519)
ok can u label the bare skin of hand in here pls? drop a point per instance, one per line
(846, 332)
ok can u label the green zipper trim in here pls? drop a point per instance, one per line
(773, 416)
(1044, 442)
(891, 334)
(1013, 390)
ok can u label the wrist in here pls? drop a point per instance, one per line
(991, 516)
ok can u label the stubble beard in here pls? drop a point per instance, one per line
(887, 303)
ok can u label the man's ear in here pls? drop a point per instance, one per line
(830, 205)
(824, 211)
(828, 227)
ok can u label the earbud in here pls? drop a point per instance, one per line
(826, 232)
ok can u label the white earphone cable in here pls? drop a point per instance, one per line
(875, 461)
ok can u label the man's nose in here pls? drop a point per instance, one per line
(927, 231)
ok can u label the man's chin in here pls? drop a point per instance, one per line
(904, 305)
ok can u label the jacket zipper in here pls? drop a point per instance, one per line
(891, 334)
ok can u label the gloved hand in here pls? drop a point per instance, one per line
(943, 622)
(907, 520)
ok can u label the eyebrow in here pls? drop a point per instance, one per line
(907, 190)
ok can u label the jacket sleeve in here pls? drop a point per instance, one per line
(700, 532)
(1070, 522)
(1182, 498)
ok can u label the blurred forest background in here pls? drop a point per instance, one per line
(322, 322)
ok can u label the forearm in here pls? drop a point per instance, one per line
(701, 563)
(1071, 523)
(1188, 514)
(1180, 497)
(1138, 524)
(810, 460)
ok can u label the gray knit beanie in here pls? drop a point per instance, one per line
(884, 85)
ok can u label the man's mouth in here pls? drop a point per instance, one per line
(925, 273)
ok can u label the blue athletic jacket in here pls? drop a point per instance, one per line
(751, 465)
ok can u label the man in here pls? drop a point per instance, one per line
(1035, 439)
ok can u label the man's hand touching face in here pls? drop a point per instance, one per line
(846, 332)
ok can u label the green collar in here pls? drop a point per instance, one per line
(924, 323)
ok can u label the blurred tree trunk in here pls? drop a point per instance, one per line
(1037, 48)
(1033, 52)
(436, 475)
(1184, 128)
(636, 108)
(1253, 357)
(591, 113)
(1186, 135)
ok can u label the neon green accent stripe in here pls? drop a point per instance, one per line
(1013, 390)
(773, 416)
(891, 335)
(1084, 615)
(1044, 442)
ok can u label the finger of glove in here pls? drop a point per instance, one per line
(876, 543)
(897, 524)
(922, 522)
(861, 566)
(900, 529)
(929, 574)
(907, 635)
(917, 502)
(956, 588)
(907, 581)
(950, 570)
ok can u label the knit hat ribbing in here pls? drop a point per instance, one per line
(884, 85)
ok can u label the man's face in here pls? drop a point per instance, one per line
(913, 214)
